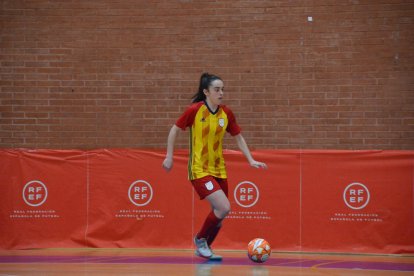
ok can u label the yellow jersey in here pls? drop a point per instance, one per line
(207, 129)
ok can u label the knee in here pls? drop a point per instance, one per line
(227, 211)
(223, 211)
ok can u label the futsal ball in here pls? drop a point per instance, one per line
(258, 250)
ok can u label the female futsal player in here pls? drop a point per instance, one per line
(208, 120)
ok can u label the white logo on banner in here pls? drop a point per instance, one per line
(34, 193)
(246, 194)
(356, 196)
(140, 193)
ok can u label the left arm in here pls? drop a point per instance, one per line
(241, 143)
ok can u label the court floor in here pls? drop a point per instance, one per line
(183, 262)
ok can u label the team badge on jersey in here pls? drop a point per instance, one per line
(221, 122)
(209, 185)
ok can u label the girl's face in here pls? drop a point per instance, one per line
(214, 94)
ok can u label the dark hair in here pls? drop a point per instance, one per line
(205, 81)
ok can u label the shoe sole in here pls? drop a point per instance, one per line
(211, 258)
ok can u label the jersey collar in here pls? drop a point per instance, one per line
(211, 111)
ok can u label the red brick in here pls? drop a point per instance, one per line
(89, 79)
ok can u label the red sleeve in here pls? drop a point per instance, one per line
(233, 128)
(187, 118)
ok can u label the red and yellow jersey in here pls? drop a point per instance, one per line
(207, 129)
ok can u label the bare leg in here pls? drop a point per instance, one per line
(219, 203)
(220, 206)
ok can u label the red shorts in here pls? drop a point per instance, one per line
(209, 184)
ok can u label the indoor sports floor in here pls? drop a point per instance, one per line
(183, 262)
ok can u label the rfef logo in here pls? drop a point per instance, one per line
(246, 194)
(34, 193)
(356, 196)
(140, 193)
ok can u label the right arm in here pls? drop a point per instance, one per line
(168, 161)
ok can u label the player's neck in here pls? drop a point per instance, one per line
(212, 107)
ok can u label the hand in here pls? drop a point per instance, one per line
(167, 164)
(258, 165)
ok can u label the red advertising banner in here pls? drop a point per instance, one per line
(358, 201)
(43, 198)
(134, 203)
(330, 201)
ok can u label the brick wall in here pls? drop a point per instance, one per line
(94, 74)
